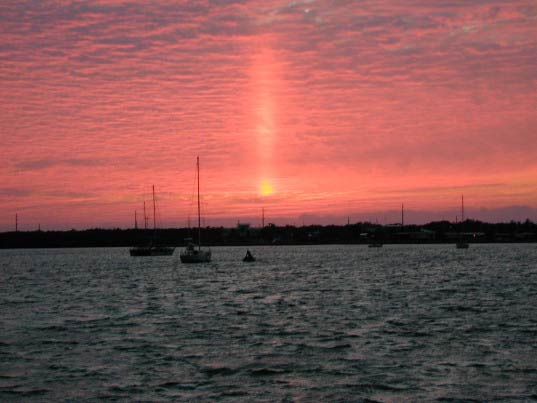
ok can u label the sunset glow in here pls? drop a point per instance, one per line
(306, 108)
(265, 81)
(266, 188)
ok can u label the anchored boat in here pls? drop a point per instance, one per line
(194, 253)
(153, 249)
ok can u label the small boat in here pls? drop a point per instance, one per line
(249, 257)
(152, 249)
(191, 254)
(375, 245)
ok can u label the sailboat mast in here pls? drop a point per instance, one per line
(199, 214)
(154, 210)
(145, 217)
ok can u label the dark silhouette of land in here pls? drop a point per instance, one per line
(360, 233)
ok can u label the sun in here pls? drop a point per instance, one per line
(266, 188)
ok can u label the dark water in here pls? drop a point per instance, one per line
(318, 323)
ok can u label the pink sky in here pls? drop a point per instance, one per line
(315, 110)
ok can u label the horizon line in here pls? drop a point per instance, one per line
(393, 225)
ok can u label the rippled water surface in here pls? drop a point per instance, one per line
(306, 323)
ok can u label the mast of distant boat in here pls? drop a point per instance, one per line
(154, 211)
(462, 217)
(461, 244)
(154, 218)
(199, 214)
(145, 217)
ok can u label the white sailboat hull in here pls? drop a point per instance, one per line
(195, 256)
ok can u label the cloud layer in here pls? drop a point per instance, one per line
(348, 106)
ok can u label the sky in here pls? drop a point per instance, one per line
(317, 111)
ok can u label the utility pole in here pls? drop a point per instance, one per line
(402, 215)
(16, 223)
(135, 219)
(462, 208)
(263, 217)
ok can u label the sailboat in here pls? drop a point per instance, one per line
(152, 249)
(193, 254)
(461, 244)
(375, 245)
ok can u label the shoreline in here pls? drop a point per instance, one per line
(442, 232)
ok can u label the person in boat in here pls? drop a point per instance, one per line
(190, 247)
(249, 257)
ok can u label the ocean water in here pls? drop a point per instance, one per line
(302, 323)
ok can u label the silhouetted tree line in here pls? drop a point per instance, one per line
(360, 233)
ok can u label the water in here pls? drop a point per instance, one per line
(306, 323)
